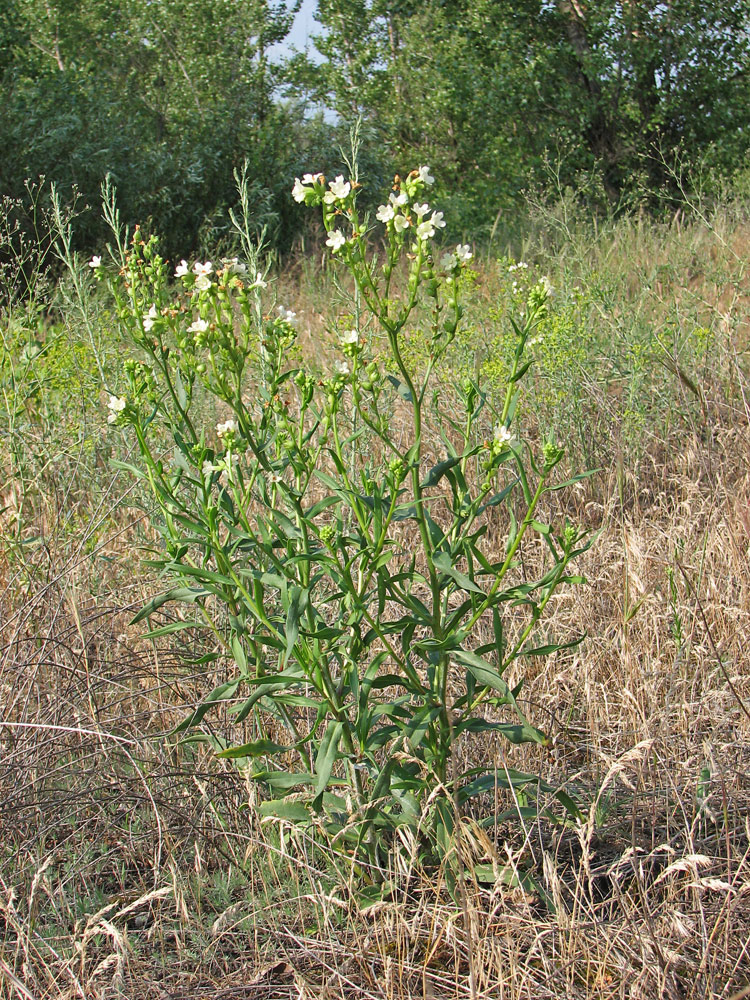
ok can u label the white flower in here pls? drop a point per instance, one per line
(311, 178)
(425, 230)
(208, 469)
(400, 223)
(287, 315)
(520, 266)
(202, 270)
(228, 427)
(385, 213)
(425, 176)
(341, 367)
(202, 283)
(115, 406)
(437, 220)
(274, 478)
(149, 318)
(336, 240)
(463, 252)
(547, 286)
(181, 270)
(350, 337)
(339, 188)
(259, 282)
(234, 265)
(199, 326)
(299, 190)
(401, 198)
(421, 209)
(502, 435)
(95, 262)
(448, 261)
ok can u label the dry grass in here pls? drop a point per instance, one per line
(136, 868)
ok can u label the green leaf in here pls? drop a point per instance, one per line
(283, 780)
(220, 693)
(240, 657)
(402, 389)
(443, 562)
(553, 647)
(256, 748)
(185, 594)
(327, 754)
(437, 472)
(571, 482)
(293, 812)
(154, 633)
(297, 604)
(484, 672)
(500, 778)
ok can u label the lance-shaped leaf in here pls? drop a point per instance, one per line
(185, 594)
(443, 562)
(485, 673)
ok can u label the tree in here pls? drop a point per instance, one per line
(169, 99)
(481, 89)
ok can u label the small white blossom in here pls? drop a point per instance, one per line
(199, 326)
(259, 282)
(149, 318)
(311, 178)
(401, 198)
(463, 252)
(208, 469)
(385, 213)
(287, 315)
(274, 478)
(400, 223)
(299, 190)
(502, 435)
(547, 286)
(425, 230)
(202, 270)
(421, 210)
(341, 367)
(339, 188)
(202, 283)
(228, 427)
(234, 265)
(448, 261)
(336, 240)
(95, 262)
(437, 220)
(182, 269)
(350, 337)
(425, 176)
(115, 406)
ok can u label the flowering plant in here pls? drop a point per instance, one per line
(352, 591)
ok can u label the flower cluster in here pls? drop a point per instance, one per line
(461, 255)
(398, 216)
(403, 211)
(116, 405)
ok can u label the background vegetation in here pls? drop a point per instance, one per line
(608, 97)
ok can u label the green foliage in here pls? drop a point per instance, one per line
(346, 578)
(482, 91)
(168, 100)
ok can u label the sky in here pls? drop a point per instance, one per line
(304, 26)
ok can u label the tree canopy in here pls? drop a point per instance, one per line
(172, 99)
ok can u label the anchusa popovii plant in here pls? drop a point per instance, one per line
(346, 584)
